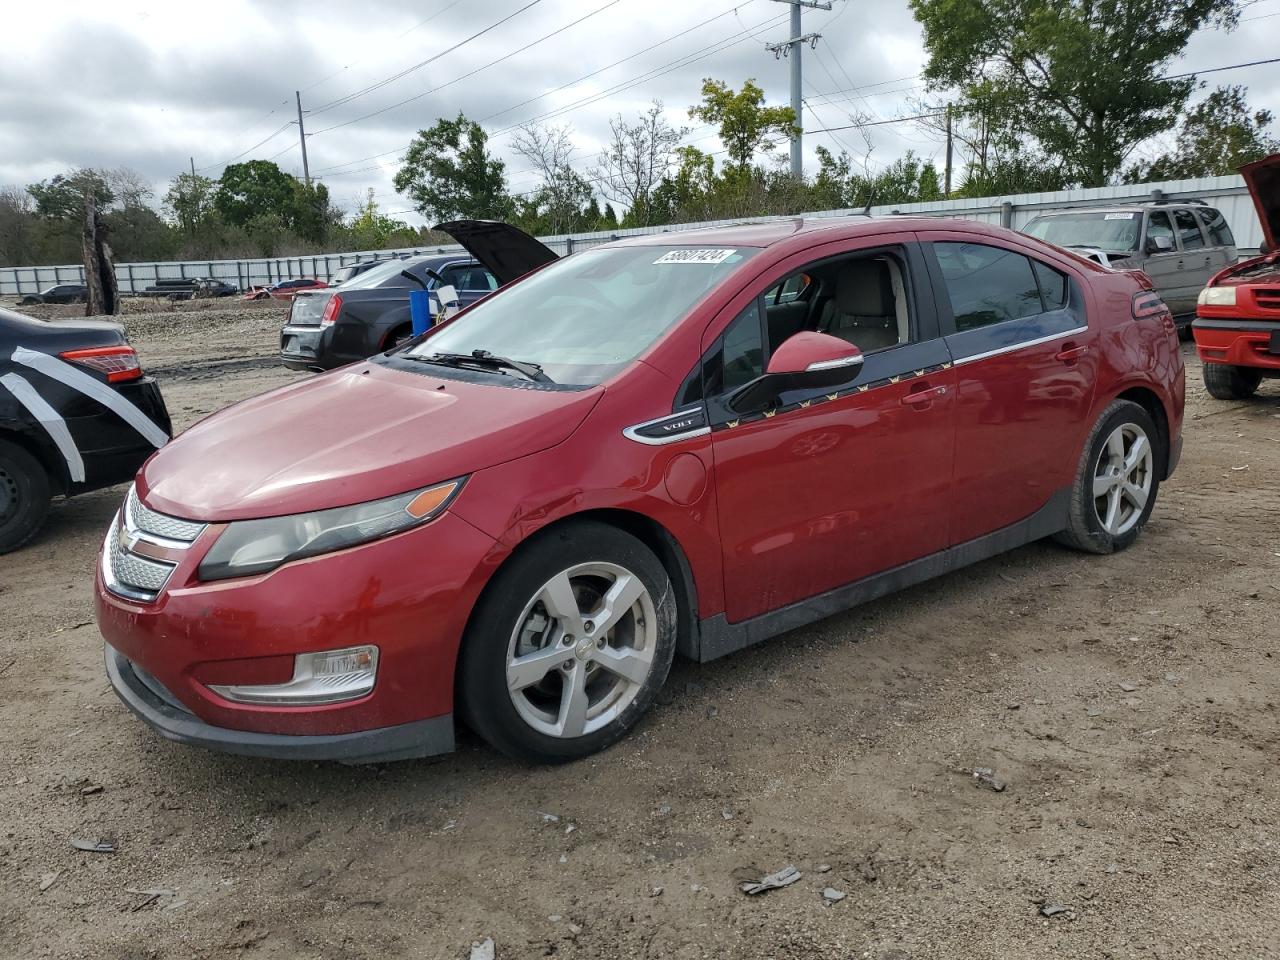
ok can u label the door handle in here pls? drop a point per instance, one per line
(1179, 264)
(1070, 355)
(922, 398)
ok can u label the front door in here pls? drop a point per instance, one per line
(825, 488)
(1025, 363)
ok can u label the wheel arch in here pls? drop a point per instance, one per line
(648, 531)
(46, 455)
(1150, 401)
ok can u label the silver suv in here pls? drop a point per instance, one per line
(1178, 245)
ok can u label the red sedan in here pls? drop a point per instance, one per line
(284, 289)
(679, 443)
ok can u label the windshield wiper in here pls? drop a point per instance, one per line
(483, 358)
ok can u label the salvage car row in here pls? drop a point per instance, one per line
(673, 443)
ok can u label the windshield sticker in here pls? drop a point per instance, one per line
(696, 256)
(1119, 216)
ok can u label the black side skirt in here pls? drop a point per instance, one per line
(716, 637)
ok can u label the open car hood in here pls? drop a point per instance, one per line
(1263, 180)
(508, 252)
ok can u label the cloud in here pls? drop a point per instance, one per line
(150, 85)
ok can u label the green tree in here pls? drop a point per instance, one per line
(745, 123)
(189, 201)
(1219, 136)
(449, 174)
(62, 196)
(256, 188)
(1085, 78)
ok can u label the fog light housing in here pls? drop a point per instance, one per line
(330, 676)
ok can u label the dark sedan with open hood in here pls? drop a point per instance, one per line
(369, 313)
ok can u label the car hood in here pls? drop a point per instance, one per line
(508, 252)
(1262, 177)
(357, 434)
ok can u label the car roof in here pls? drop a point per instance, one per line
(767, 233)
(1128, 208)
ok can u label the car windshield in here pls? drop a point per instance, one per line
(583, 318)
(1112, 232)
(377, 276)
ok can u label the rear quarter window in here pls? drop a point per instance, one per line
(987, 285)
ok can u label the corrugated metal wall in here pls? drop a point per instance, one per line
(1228, 194)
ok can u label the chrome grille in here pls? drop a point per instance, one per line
(129, 575)
(144, 520)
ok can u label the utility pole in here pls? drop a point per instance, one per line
(791, 48)
(193, 167)
(302, 139)
(946, 183)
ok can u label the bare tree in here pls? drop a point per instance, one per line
(563, 192)
(636, 159)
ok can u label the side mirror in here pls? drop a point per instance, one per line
(804, 361)
(1159, 244)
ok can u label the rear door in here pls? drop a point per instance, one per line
(1222, 245)
(1199, 261)
(1025, 361)
(1165, 267)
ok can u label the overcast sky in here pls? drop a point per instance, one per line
(148, 85)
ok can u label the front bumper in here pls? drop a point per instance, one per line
(409, 594)
(1238, 342)
(153, 704)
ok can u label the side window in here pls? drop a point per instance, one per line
(1159, 225)
(1215, 224)
(736, 359)
(788, 290)
(742, 352)
(455, 276)
(1053, 285)
(1188, 229)
(987, 285)
(482, 279)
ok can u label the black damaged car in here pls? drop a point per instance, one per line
(76, 414)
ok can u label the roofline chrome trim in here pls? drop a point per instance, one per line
(1021, 346)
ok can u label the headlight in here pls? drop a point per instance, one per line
(1217, 297)
(255, 546)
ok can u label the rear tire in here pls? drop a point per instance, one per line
(1227, 382)
(569, 645)
(24, 496)
(1117, 481)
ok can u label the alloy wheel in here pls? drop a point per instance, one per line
(582, 649)
(1122, 479)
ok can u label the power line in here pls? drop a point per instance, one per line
(618, 63)
(1234, 66)
(281, 129)
(421, 23)
(422, 63)
(669, 67)
(472, 73)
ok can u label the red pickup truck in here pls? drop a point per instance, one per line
(1237, 326)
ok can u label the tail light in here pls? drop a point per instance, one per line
(1147, 305)
(331, 311)
(119, 364)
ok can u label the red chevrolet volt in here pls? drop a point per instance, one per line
(679, 443)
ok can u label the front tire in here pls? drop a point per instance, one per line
(569, 645)
(1117, 481)
(1227, 382)
(24, 496)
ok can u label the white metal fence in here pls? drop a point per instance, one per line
(1227, 194)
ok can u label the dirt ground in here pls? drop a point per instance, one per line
(1128, 702)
